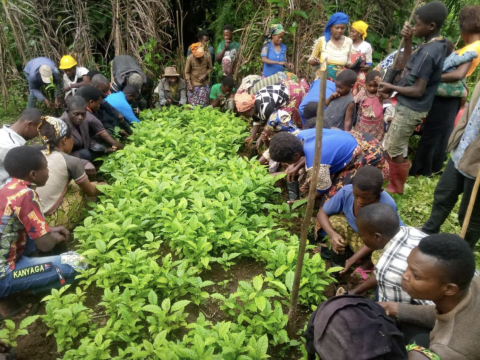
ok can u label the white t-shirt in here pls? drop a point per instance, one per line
(81, 71)
(8, 140)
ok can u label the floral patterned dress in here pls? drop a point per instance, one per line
(364, 51)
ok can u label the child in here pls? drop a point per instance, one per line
(337, 218)
(361, 52)
(24, 229)
(451, 92)
(227, 50)
(222, 95)
(341, 105)
(62, 200)
(380, 230)
(370, 113)
(417, 88)
(274, 52)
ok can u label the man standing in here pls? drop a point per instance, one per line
(39, 72)
(17, 135)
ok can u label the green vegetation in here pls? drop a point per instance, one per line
(180, 200)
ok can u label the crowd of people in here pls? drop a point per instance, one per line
(422, 278)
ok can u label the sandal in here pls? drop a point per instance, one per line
(362, 273)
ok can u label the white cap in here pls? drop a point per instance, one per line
(46, 73)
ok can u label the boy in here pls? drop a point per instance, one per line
(417, 88)
(341, 105)
(222, 95)
(338, 219)
(441, 269)
(24, 229)
(379, 229)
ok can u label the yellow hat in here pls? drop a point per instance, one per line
(361, 28)
(67, 62)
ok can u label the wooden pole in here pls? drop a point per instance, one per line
(473, 197)
(402, 40)
(311, 199)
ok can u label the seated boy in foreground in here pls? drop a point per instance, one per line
(23, 230)
(338, 216)
(379, 229)
(441, 269)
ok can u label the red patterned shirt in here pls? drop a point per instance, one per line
(21, 216)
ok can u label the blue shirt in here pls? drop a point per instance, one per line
(314, 94)
(342, 201)
(337, 148)
(119, 102)
(471, 132)
(269, 52)
(34, 79)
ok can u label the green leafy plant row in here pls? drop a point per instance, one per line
(180, 199)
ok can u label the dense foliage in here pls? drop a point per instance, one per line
(180, 199)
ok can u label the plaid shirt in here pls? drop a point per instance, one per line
(392, 265)
(21, 216)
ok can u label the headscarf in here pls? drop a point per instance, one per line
(244, 102)
(274, 29)
(58, 125)
(280, 120)
(361, 27)
(197, 49)
(336, 19)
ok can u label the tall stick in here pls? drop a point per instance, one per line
(395, 59)
(473, 197)
(311, 198)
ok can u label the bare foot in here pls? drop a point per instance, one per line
(11, 309)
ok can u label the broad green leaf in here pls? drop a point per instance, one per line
(101, 246)
(166, 304)
(261, 302)
(280, 270)
(180, 305)
(290, 256)
(152, 297)
(299, 203)
(258, 282)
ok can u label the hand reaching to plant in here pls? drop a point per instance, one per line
(292, 172)
(61, 230)
(47, 103)
(249, 140)
(90, 169)
(348, 264)
(338, 243)
(57, 103)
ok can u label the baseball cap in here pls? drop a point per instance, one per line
(46, 73)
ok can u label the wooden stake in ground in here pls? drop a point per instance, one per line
(311, 198)
(473, 197)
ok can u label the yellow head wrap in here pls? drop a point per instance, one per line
(361, 27)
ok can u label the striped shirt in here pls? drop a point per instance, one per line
(392, 265)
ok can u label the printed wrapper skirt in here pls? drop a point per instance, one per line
(199, 96)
